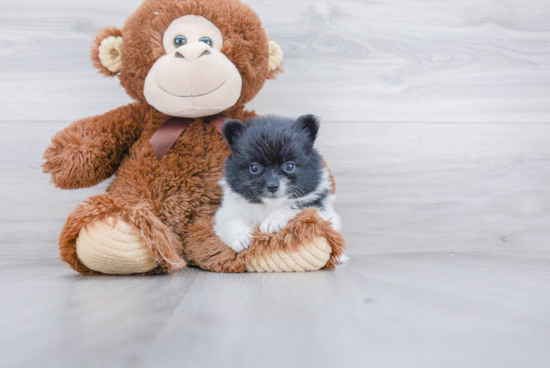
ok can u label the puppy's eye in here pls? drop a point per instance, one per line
(255, 168)
(290, 167)
(206, 40)
(180, 40)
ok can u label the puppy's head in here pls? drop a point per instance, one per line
(273, 158)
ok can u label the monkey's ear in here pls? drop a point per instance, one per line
(310, 124)
(107, 51)
(232, 130)
(276, 56)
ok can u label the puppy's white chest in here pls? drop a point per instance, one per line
(257, 213)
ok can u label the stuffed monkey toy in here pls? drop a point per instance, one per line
(189, 66)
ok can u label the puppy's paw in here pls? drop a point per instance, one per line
(343, 259)
(240, 241)
(273, 224)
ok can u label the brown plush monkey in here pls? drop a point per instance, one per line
(189, 65)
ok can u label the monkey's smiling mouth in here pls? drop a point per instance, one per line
(204, 94)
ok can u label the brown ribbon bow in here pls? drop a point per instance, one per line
(168, 134)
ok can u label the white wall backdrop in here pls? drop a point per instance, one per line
(436, 115)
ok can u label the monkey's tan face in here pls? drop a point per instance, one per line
(194, 78)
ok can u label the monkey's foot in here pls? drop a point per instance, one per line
(105, 236)
(312, 256)
(114, 247)
(307, 243)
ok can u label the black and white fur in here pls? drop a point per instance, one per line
(292, 177)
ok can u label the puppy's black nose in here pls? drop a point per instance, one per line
(272, 186)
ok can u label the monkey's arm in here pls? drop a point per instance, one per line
(90, 150)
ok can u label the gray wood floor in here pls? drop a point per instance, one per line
(436, 123)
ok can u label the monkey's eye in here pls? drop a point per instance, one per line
(290, 167)
(206, 40)
(255, 168)
(180, 41)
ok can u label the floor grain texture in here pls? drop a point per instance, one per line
(435, 310)
(436, 123)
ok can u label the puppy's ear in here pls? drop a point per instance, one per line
(232, 130)
(310, 124)
(107, 51)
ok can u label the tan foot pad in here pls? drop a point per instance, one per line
(114, 248)
(311, 257)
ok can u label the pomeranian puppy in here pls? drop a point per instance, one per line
(272, 174)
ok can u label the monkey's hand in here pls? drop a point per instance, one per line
(89, 151)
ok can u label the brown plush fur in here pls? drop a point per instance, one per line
(171, 202)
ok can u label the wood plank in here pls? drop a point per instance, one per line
(402, 187)
(351, 60)
(381, 311)
(441, 187)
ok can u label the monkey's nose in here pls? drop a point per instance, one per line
(272, 186)
(193, 52)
